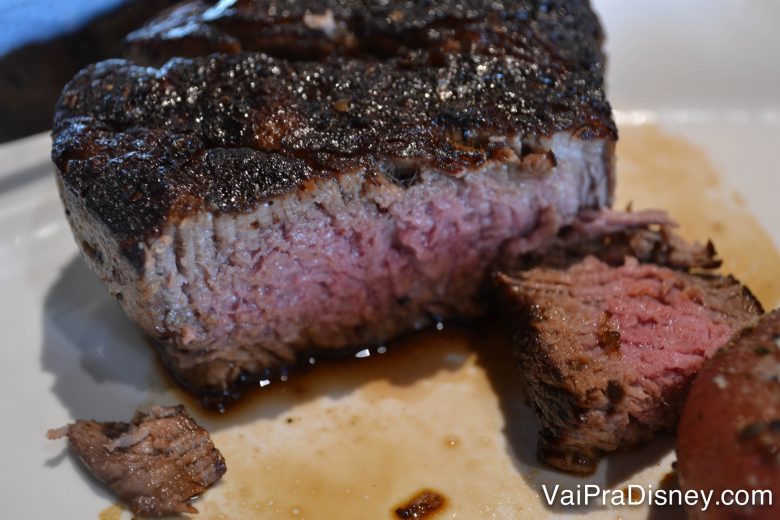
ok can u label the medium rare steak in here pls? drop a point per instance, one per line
(156, 463)
(609, 345)
(246, 208)
(729, 432)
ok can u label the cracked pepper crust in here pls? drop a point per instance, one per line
(444, 85)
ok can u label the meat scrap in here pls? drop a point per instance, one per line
(156, 463)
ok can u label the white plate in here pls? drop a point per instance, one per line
(695, 85)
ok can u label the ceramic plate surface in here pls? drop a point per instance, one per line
(695, 86)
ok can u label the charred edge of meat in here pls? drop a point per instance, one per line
(560, 407)
(309, 30)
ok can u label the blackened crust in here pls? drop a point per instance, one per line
(142, 146)
(313, 29)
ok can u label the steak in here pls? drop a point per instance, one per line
(246, 208)
(729, 432)
(156, 463)
(609, 343)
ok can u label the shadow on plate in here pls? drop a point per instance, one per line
(9, 183)
(101, 365)
(668, 512)
(95, 485)
(104, 368)
(521, 427)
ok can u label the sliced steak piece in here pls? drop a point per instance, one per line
(729, 432)
(245, 209)
(608, 351)
(156, 462)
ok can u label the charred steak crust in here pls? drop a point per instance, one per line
(141, 146)
(313, 29)
(157, 462)
(248, 207)
(571, 349)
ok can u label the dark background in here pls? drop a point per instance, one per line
(43, 43)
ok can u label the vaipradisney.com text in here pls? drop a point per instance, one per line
(634, 495)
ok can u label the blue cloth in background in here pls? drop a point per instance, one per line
(27, 21)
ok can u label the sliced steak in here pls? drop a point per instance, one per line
(156, 462)
(245, 209)
(609, 348)
(729, 432)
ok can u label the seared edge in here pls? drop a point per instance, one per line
(312, 29)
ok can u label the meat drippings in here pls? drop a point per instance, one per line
(350, 438)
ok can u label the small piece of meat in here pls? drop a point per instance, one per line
(608, 351)
(156, 463)
(729, 431)
(327, 176)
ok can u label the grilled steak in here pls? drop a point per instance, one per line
(245, 208)
(609, 345)
(156, 463)
(729, 431)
